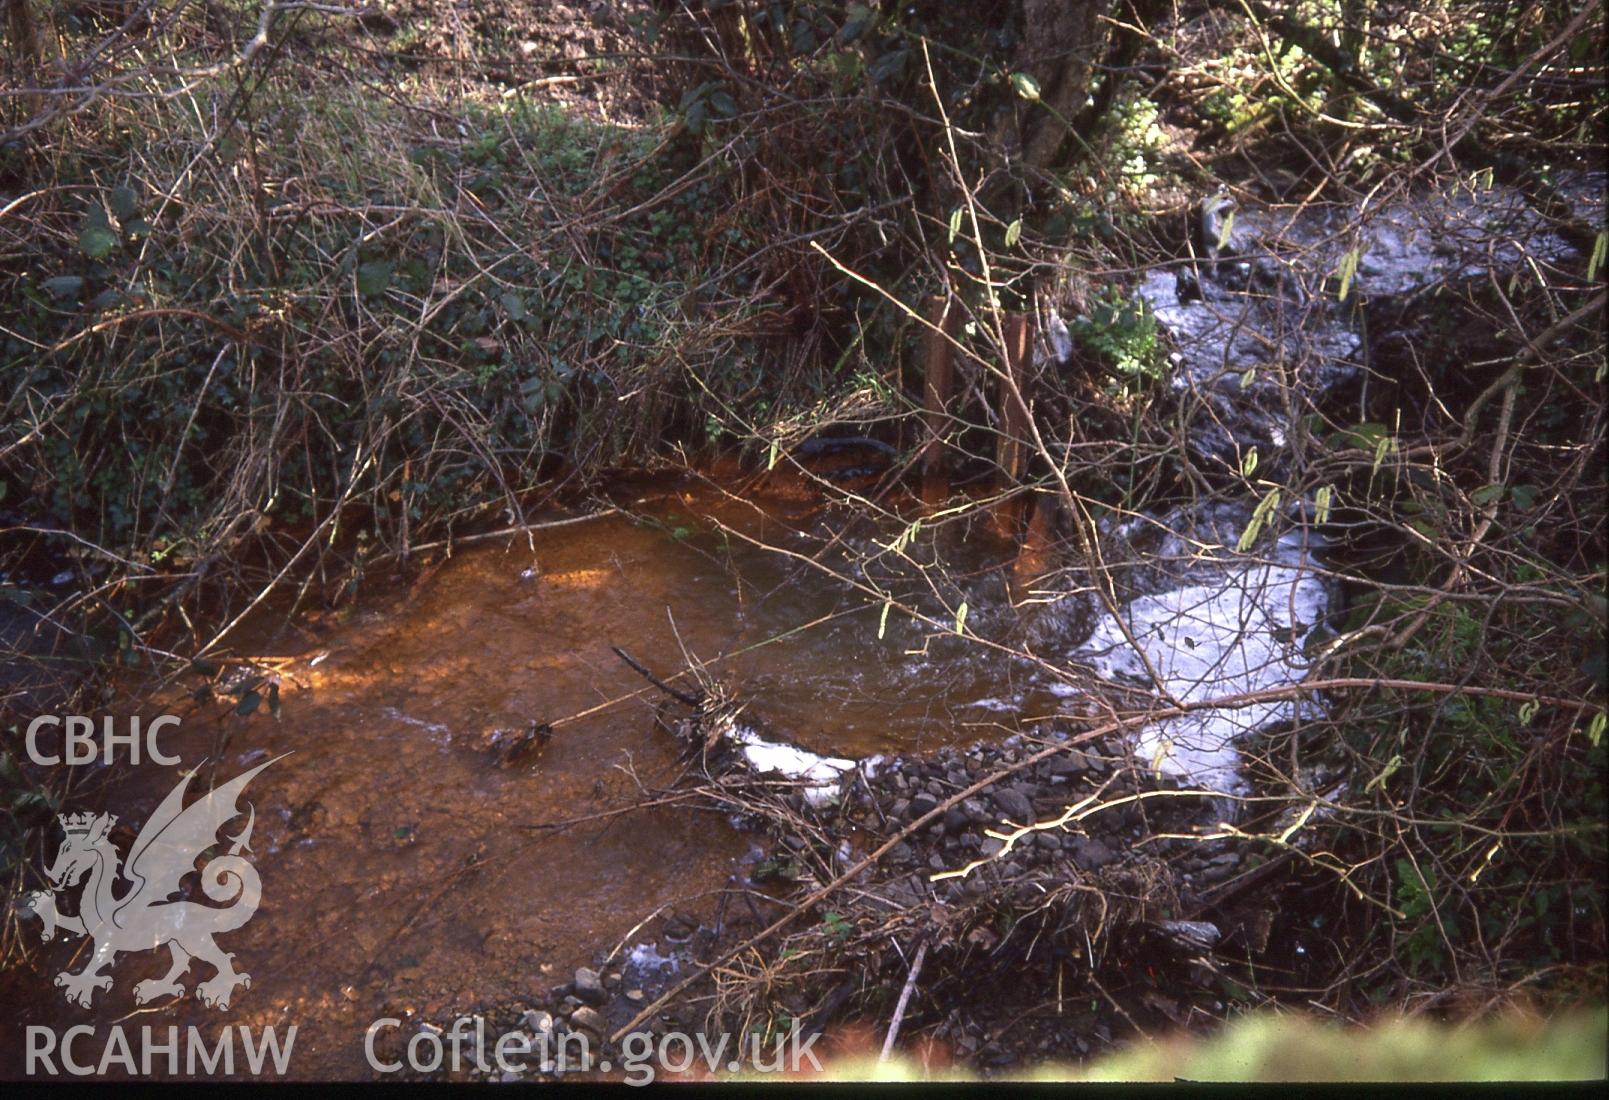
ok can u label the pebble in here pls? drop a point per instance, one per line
(1068, 763)
(1015, 805)
(590, 1019)
(1090, 853)
(589, 987)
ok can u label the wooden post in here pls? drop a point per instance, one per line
(937, 382)
(1011, 448)
(1034, 556)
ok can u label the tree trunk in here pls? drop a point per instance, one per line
(1062, 40)
(26, 60)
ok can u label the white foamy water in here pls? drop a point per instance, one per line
(1209, 641)
(819, 773)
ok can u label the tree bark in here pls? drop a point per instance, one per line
(1062, 40)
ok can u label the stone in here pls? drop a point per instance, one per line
(636, 996)
(955, 821)
(1015, 805)
(1068, 763)
(1090, 853)
(589, 986)
(922, 804)
(537, 1022)
(590, 1019)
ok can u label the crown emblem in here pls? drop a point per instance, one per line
(81, 824)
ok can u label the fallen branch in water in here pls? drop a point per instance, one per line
(679, 696)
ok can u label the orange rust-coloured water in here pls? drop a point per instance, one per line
(401, 872)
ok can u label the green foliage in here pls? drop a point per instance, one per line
(189, 379)
(1122, 333)
(1513, 799)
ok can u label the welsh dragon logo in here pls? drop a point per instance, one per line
(141, 917)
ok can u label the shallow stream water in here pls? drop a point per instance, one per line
(402, 872)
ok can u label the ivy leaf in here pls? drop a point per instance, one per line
(1013, 233)
(248, 703)
(63, 287)
(857, 18)
(1026, 86)
(889, 66)
(125, 203)
(95, 236)
(373, 278)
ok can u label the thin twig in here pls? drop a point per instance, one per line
(904, 999)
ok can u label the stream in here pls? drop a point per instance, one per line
(429, 736)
